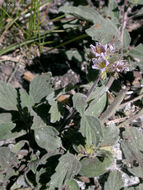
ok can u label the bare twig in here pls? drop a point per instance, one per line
(131, 101)
(133, 117)
(9, 58)
(117, 120)
(15, 69)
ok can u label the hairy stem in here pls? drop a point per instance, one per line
(93, 87)
(111, 110)
(125, 16)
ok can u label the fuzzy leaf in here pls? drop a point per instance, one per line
(5, 118)
(17, 147)
(72, 185)
(82, 12)
(139, 12)
(114, 181)
(67, 168)
(133, 150)
(8, 97)
(5, 131)
(127, 39)
(91, 129)
(110, 135)
(6, 127)
(137, 53)
(139, 2)
(79, 102)
(37, 121)
(47, 137)
(26, 100)
(114, 11)
(74, 54)
(139, 187)
(41, 87)
(98, 92)
(92, 167)
(104, 31)
(96, 107)
(7, 158)
(54, 112)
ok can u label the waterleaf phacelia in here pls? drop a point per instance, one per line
(102, 56)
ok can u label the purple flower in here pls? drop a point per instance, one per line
(101, 56)
(120, 66)
(100, 50)
(100, 64)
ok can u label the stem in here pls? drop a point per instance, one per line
(93, 87)
(110, 82)
(111, 110)
(124, 22)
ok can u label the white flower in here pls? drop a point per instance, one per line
(120, 66)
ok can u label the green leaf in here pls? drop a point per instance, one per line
(104, 30)
(5, 131)
(20, 182)
(139, 13)
(127, 39)
(54, 111)
(26, 100)
(7, 158)
(5, 118)
(139, 187)
(110, 135)
(114, 181)
(8, 97)
(72, 185)
(98, 92)
(137, 53)
(82, 12)
(74, 54)
(91, 129)
(114, 11)
(67, 168)
(93, 167)
(139, 2)
(79, 102)
(17, 147)
(6, 127)
(47, 138)
(133, 150)
(41, 87)
(37, 121)
(96, 107)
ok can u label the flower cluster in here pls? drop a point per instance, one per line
(120, 66)
(101, 56)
